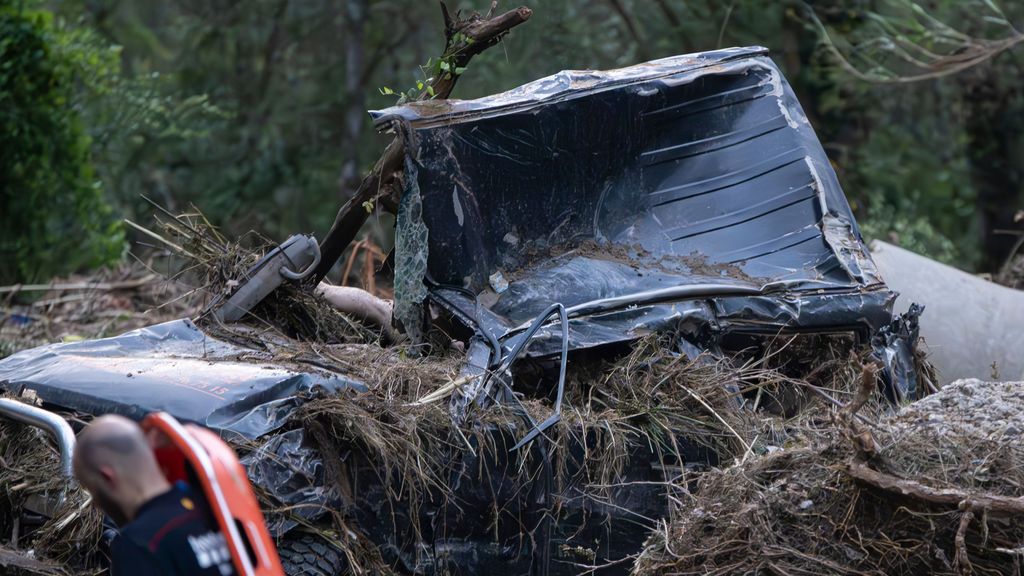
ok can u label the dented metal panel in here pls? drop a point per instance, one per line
(172, 367)
(635, 196)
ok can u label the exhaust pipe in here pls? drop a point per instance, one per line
(48, 421)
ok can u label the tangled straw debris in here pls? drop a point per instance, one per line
(215, 266)
(30, 478)
(735, 444)
(109, 302)
(943, 494)
(651, 405)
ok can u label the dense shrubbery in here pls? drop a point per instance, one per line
(53, 216)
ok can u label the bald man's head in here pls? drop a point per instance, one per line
(114, 462)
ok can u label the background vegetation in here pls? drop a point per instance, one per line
(254, 110)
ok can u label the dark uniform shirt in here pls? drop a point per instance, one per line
(173, 534)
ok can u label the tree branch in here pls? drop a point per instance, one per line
(964, 51)
(992, 503)
(631, 27)
(477, 34)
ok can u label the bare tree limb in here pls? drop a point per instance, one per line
(992, 503)
(857, 434)
(962, 51)
(464, 38)
(356, 72)
(725, 23)
(360, 304)
(961, 560)
(669, 14)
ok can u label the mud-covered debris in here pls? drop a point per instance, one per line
(751, 518)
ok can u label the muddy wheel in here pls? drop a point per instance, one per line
(307, 555)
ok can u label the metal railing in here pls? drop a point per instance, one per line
(48, 421)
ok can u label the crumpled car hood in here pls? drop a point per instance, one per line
(172, 367)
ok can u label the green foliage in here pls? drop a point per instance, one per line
(241, 111)
(442, 68)
(136, 124)
(423, 83)
(919, 197)
(53, 217)
(254, 110)
(931, 106)
(902, 41)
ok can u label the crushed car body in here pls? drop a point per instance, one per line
(687, 194)
(686, 197)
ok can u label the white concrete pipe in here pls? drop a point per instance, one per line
(968, 323)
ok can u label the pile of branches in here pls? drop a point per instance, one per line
(936, 489)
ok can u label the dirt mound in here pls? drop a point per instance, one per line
(937, 488)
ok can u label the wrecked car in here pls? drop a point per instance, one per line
(547, 231)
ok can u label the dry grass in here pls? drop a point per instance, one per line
(30, 474)
(739, 409)
(652, 398)
(214, 266)
(799, 512)
(109, 302)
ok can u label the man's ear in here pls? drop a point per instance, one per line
(108, 474)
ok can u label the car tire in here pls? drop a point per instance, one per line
(308, 555)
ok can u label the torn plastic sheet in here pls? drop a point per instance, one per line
(173, 367)
(697, 175)
(293, 474)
